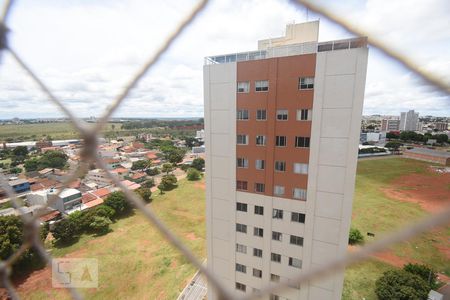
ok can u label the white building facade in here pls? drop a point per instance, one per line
(282, 130)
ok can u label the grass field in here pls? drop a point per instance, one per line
(36, 131)
(135, 262)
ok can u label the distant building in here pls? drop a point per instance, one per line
(441, 126)
(67, 200)
(409, 121)
(99, 177)
(200, 135)
(200, 149)
(425, 154)
(388, 125)
(43, 144)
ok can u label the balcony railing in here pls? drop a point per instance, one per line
(288, 50)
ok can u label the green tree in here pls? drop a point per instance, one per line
(168, 182)
(198, 163)
(100, 225)
(148, 183)
(152, 171)
(355, 237)
(392, 135)
(31, 164)
(141, 165)
(190, 141)
(15, 170)
(117, 201)
(193, 174)
(104, 211)
(52, 159)
(20, 151)
(66, 231)
(167, 168)
(11, 235)
(145, 193)
(173, 154)
(425, 272)
(401, 285)
(393, 145)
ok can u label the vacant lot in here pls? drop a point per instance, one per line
(37, 131)
(135, 262)
(391, 193)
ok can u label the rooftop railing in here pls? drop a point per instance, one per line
(288, 50)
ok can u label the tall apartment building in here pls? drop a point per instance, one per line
(409, 121)
(282, 130)
(390, 125)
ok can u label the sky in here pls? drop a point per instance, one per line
(86, 51)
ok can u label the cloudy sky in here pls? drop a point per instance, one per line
(87, 50)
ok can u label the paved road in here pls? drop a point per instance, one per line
(196, 289)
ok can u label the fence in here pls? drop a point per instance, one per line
(89, 155)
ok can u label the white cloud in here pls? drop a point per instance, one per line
(87, 50)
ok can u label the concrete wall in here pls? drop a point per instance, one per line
(338, 101)
(220, 142)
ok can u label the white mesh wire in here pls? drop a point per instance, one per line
(89, 154)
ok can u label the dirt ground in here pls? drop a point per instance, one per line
(432, 193)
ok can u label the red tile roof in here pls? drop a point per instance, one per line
(49, 216)
(103, 192)
(95, 202)
(87, 197)
(138, 175)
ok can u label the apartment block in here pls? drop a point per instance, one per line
(409, 121)
(281, 133)
(388, 125)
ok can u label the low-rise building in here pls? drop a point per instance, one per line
(19, 185)
(99, 177)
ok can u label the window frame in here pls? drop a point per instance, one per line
(294, 265)
(259, 210)
(280, 166)
(246, 90)
(277, 214)
(277, 236)
(241, 206)
(277, 256)
(304, 83)
(241, 113)
(296, 240)
(261, 88)
(259, 113)
(301, 112)
(257, 252)
(241, 268)
(242, 228)
(298, 217)
(263, 190)
(303, 194)
(278, 139)
(258, 273)
(242, 137)
(241, 248)
(282, 115)
(301, 168)
(276, 187)
(240, 287)
(264, 140)
(258, 231)
(302, 142)
(263, 163)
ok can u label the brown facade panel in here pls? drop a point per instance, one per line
(283, 93)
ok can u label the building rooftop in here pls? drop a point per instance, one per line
(289, 50)
(17, 182)
(427, 151)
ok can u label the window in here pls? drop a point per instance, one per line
(274, 297)
(296, 240)
(275, 278)
(300, 168)
(260, 164)
(258, 232)
(260, 140)
(257, 273)
(242, 139)
(241, 268)
(293, 284)
(277, 213)
(257, 252)
(241, 248)
(278, 190)
(275, 257)
(260, 187)
(259, 210)
(280, 166)
(241, 206)
(242, 114)
(241, 228)
(298, 217)
(304, 114)
(241, 185)
(262, 86)
(282, 115)
(243, 87)
(280, 141)
(276, 236)
(242, 162)
(241, 287)
(299, 194)
(305, 83)
(261, 115)
(301, 142)
(294, 262)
